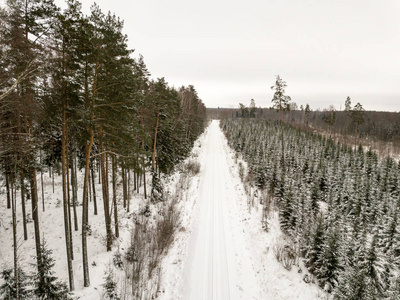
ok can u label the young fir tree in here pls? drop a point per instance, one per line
(46, 284)
(9, 289)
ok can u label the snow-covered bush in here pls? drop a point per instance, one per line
(110, 286)
(193, 167)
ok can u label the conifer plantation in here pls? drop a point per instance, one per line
(338, 205)
(73, 100)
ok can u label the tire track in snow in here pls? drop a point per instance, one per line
(218, 266)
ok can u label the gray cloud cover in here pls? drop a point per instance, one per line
(231, 50)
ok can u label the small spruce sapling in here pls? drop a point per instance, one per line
(46, 284)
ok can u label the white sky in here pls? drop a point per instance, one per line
(231, 50)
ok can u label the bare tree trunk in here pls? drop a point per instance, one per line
(114, 186)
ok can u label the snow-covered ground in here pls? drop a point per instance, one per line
(222, 252)
(52, 230)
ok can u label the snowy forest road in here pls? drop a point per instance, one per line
(219, 265)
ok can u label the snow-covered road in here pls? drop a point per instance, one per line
(218, 265)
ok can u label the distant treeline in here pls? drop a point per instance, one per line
(377, 126)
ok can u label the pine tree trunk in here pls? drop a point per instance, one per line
(138, 181)
(21, 171)
(114, 186)
(143, 163)
(104, 181)
(90, 188)
(23, 203)
(52, 178)
(67, 165)
(85, 210)
(34, 192)
(155, 141)
(89, 104)
(124, 195)
(15, 246)
(74, 194)
(41, 181)
(144, 180)
(8, 188)
(35, 213)
(66, 204)
(94, 189)
(135, 186)
(129, 189)
(74, 187)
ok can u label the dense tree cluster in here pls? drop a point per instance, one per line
(340, 207)
(72, 97)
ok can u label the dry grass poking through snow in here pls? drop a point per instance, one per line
(286, 254)
(151, 238)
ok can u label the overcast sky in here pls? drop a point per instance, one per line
(232, 50)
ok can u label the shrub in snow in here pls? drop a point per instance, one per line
(145, 211)
(130, 254)
(285, 254)
(117, 260)
(193, 167)
(110, 286)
